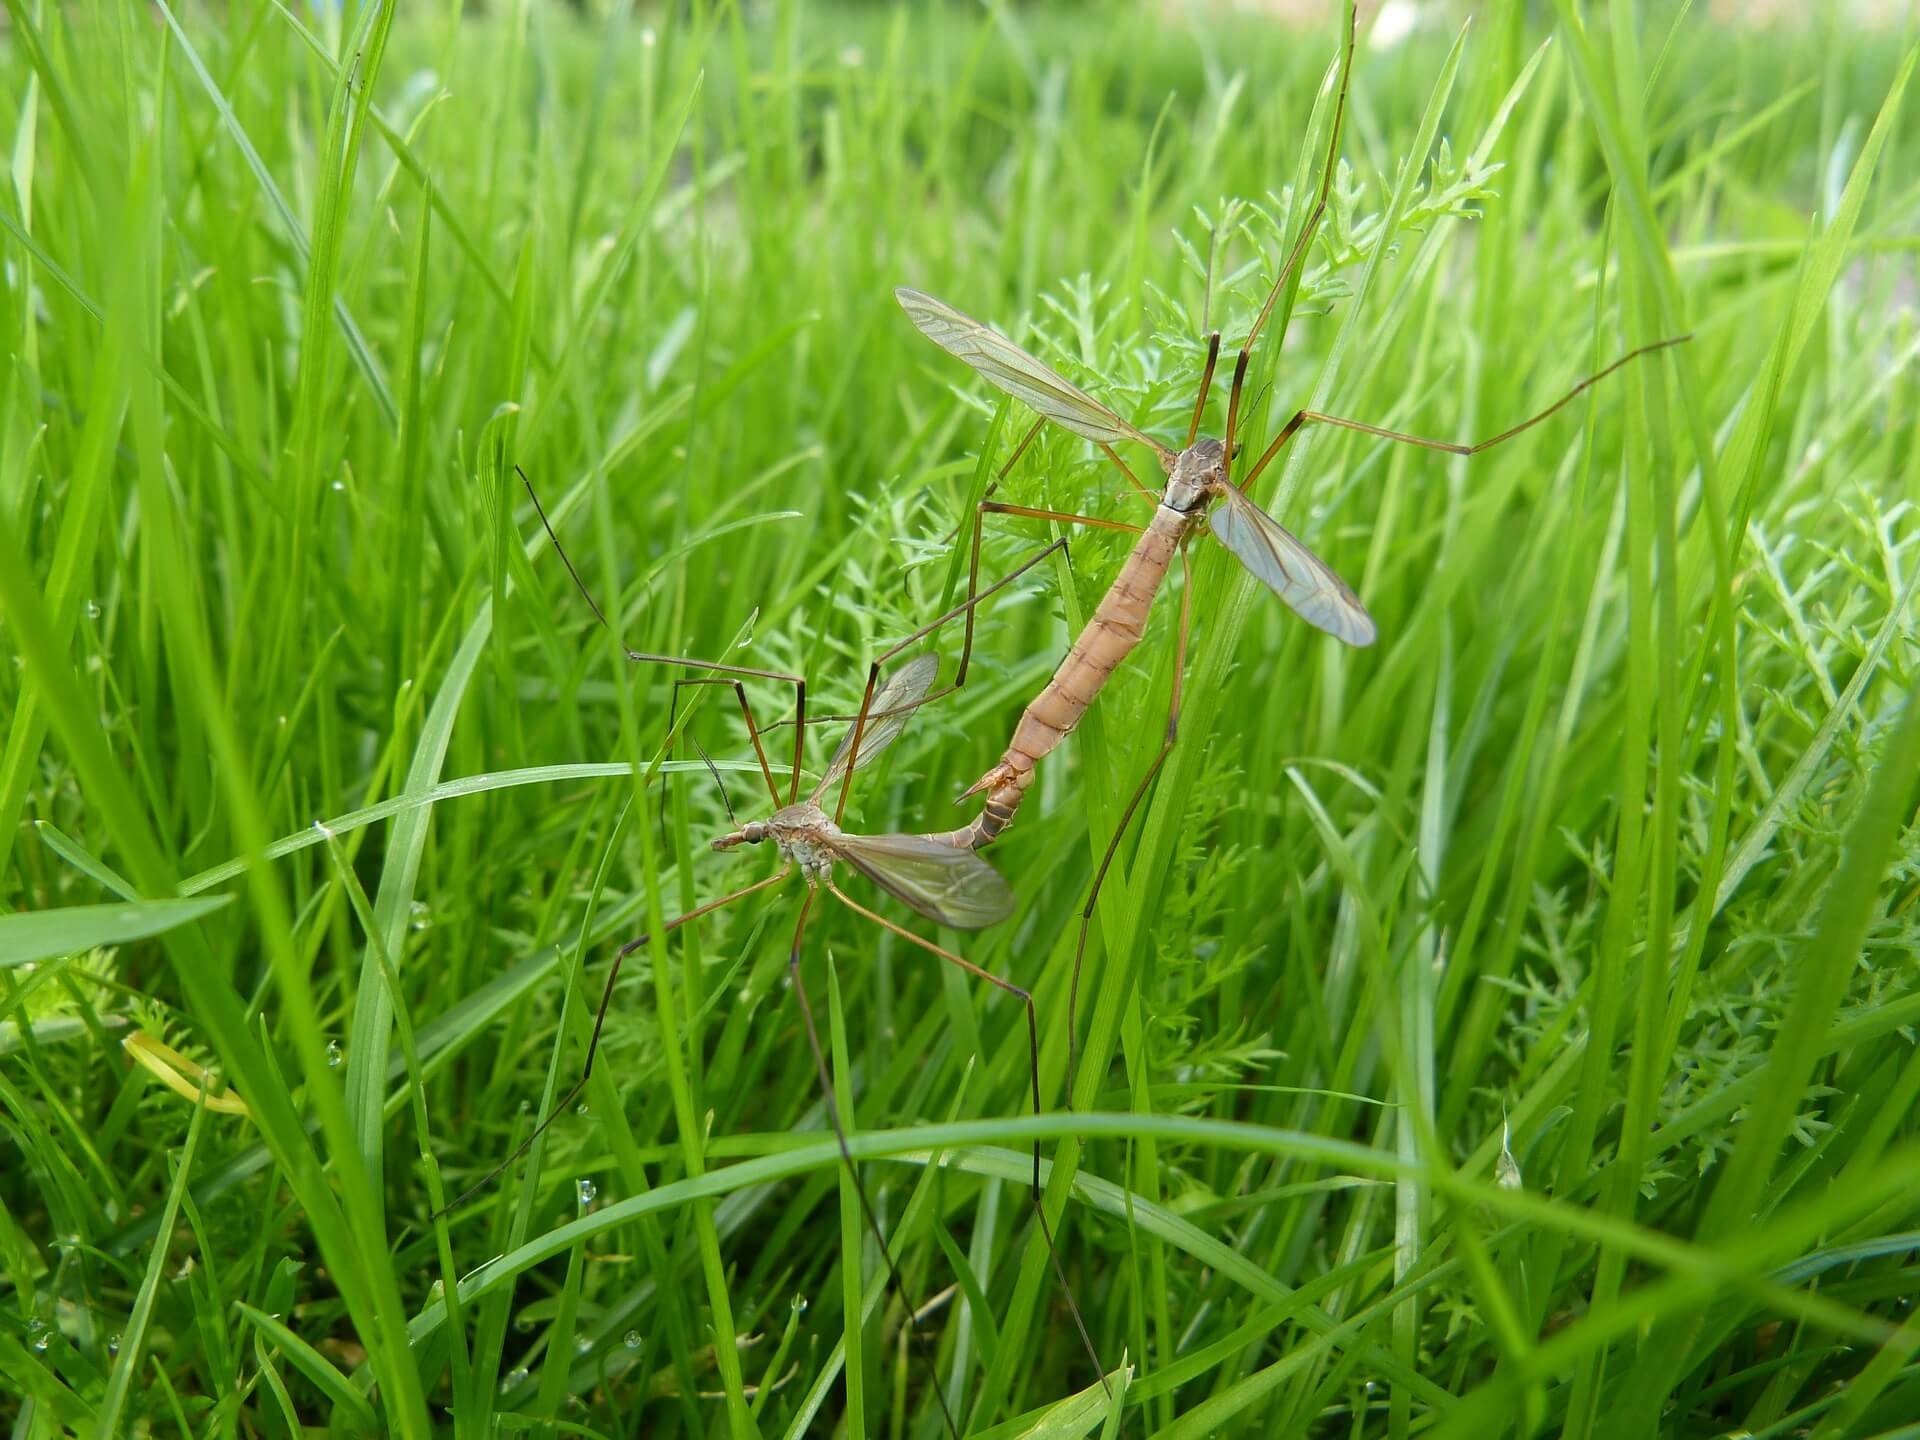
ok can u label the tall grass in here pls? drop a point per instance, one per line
(1507, 1029)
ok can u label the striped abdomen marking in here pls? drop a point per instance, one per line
(1109, 636)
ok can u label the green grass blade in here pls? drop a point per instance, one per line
(79, 928)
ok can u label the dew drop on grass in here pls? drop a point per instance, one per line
(513, 1379)
(581, 1108)
(113, 1345)
(93, 609)
(336, 1054)
(587, 1190)
(799, 1304)
(37, 1336)
(631, 1340)
(583, 1345)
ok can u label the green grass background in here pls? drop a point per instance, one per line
(1509, 1029)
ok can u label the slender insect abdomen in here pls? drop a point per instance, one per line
(1108, 637)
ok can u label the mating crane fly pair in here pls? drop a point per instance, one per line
(947, 884)
(938, 875)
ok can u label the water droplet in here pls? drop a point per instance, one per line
(799, 1304)
(422, 915)
(583, 1345)
(587, 1190)
(581, 1108)
(39, 1337)
(93, 609)
(335, 1054)
(113, 1345)
(513, 1379)
(339, 485)
(646, 37)
(436, 1290)
(524, 1324)
(631, 1340)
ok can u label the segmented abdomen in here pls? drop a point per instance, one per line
(1108, 638)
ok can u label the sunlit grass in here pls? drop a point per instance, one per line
(1508, 1026)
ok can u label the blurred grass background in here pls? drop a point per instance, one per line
(1508, 1029)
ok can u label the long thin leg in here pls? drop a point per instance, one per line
(1206, 383)
(1126, 818)
(846, 1155)
(599, 1020)
(1312, 417)
(975, 597)
(1033, 1047)
(746, 710)
(969, 607)
(1028, 440)
(994, 484)
(1132, 479)
(1014, 458)
(1315, 215)
(641, 657)
(1064, 516)
(1299, 251)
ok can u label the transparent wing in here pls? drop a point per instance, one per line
(886, 718)
(943, 882)
(1004, 363)
(1290, 570)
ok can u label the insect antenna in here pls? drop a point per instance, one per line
(732, 819)
(561, 550)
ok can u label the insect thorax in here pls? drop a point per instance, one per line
(804, 833)
(1198, 469)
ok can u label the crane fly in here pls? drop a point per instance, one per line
(1199, 494)
(946, 884)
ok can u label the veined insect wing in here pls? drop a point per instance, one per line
(1292, 571)
(945, 883)
(1006, 365)
(886, 718)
